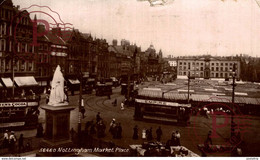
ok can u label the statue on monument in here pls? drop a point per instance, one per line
(57, 95)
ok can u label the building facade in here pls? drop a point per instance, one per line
(207, 66)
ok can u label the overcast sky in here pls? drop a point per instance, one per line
(183, 27)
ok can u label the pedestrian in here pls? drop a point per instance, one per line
(39, 133)
(122, 106)
(66, 93)
(115, 103)
(6, 139)
(92, 129)
(119, 131)
(178, 138)
(72, 133)
(208, 140)
(174, 139)
(149, 134)
(47, 98)
(98, 118)
(83, 110)
(108, 96)
(135, 135)
(20, 144)
(144, 133)
(12, 141)
(159, 134)
(88, 124)
(112, 128)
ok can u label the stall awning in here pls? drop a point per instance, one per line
(7, 82)
(25, 81)
(74, 81)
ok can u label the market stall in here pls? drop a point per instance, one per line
(158, 149)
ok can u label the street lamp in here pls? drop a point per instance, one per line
(233, 99)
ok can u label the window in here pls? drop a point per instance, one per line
(231, 64)
(221, 64)
(2, 45)
(180, 67)
(180, 63)
(226, 69)
(193, 63)
(226, 75)
(212, 68)
(184, 68)
(212, 64)
(216, 68)
(201, 68)
(226, 64)
(201, 64)
(221, 75)
(216, 64)
(184, 73)
(221, 68)
(216, 75)
(184, 63)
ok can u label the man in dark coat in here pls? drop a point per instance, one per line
(20, 144)
(135, 135)
(159, 134)
(119, 131)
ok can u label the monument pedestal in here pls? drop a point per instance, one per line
(57, 131)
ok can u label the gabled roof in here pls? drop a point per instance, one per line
(66, 35)
(54, 39)
(112, 49)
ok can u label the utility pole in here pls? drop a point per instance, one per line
(131, 71)
(189, 84)
(233, 100)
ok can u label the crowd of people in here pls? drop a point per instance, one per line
(13, 144)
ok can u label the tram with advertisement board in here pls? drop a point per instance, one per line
(20, 110)
(150, 104)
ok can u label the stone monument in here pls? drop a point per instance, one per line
(57, 117)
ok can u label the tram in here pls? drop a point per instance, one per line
(103, 89)
(151, 105)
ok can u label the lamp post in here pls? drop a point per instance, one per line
(80, 103)
(233, 99)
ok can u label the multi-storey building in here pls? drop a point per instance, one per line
(207, 66)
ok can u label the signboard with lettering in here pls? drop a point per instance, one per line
(18, 104)
(162, 103)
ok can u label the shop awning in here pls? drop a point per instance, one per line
(74, 81)
(91, 80)
(7, 82)
(42, 83)
(25, 81)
